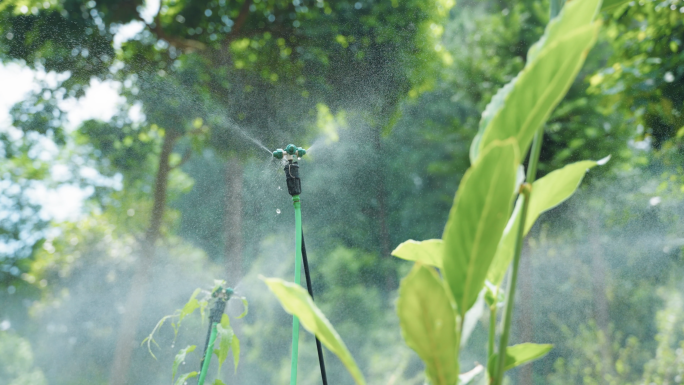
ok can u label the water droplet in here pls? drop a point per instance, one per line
(279, 188)
(183, 362)
(172, 345)
(277, 211)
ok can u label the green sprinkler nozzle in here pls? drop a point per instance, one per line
(291, 153)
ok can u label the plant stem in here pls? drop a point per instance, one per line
(526, 191)
(534, 157)
(510, 300)
(492, 330)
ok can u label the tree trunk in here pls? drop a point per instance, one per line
(599, 277)
(526, 309)
(390, 279)
(380, 196)
(126, 341)
(233, 221)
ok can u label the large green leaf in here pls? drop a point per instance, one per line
(547, 193)
(517, 355)
(428, 324)
(426, 252)
(521, 107)
(296, 301)
(477, 220)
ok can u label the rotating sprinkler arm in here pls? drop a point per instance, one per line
(291, 153)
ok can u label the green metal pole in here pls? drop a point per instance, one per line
(207, 355)
(298, 262)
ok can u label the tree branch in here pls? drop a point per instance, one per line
(186, 157)
(241, 19)
(186, 45)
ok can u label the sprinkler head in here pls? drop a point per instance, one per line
(291, 153)
(223, 294)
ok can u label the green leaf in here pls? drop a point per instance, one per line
(181, 380)
(296, 301)
(225, 334)
(203, 305)
(150, 339)
(190, 306)
(472, 318)
(517, 355)
(428, 324)
(246, 306)
(426, 252)
(547, 193)
(235, 347)
(477, 220)
(612, 5)
(218, 382)
(521, 107)
(180, 357)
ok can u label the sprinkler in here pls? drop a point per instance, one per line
(294, 187)
(219, 297)
(291, 153)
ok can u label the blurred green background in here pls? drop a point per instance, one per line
(135, 135)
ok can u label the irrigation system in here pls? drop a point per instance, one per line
(292, 154)
(220, 296)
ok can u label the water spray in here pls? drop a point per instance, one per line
(220, 297)
(292, 154)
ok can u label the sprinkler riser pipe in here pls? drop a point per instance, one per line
(298, 263)
(207, 354)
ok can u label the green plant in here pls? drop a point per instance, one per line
(484, 233)
(227, 340)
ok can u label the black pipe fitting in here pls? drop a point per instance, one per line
(294, 184)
